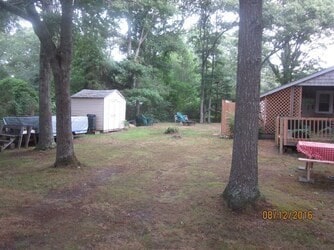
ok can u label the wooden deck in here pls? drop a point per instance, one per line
(290, 130)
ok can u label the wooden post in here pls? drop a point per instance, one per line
(308, 170)
(277, 131)
(20, 137)
(281, 129)
(28, 136)
(285, 130)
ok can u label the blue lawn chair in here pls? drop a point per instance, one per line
(183, 119)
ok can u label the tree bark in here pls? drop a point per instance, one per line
(45, 140)
(242, 188)
(202, 97)
(129, 39)
(61, 67)
(60, 61)
(209, 108)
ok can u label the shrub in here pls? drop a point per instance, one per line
(230, 121)
(18, 98)
(171, 130)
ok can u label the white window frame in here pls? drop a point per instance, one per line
(331, 97)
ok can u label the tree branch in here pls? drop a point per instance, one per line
(15, 10)
(274, 51)
(40, 28)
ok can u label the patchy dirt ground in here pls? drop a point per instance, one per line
(143, 189)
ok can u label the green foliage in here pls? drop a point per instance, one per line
(7, 21)
(19, 56)
(230, 122)
(292, 29)
(169, 66)
(148, 97)
(183, 82)
(151, 37)
(17, 98)
(152, 103)
(160, 71)
(125, 70)
(126, 124)
(171, 130)
(88, 66)
(145, 18)
(206, 39)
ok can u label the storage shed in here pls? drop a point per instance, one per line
(108, 106)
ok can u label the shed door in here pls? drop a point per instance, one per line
(113, 114)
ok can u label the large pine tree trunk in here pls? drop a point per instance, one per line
(46, 140)
(242, 188)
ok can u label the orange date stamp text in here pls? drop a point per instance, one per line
(287, 214)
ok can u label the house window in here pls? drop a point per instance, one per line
(324, 102)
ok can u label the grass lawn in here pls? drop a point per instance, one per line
(143, 189)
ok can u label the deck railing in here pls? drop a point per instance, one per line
(290, 130)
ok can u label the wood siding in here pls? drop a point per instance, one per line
(84, 106)
(286, 102)
(228, 110)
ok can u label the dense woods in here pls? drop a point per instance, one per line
(168, 56)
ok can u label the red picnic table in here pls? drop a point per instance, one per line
(316, 152)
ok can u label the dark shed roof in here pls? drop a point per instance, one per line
(306, 81)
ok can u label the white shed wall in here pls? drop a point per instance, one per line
(84, 106)
(114, 112)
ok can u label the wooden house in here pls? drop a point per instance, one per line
(300, 110)
(107, 107)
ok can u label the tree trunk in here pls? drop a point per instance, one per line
(65, 151)
(209, 109)
(129, 40)
(61, 67)
(137, 108)
(134, 57)
(218, 102)
(209, 94)
(60, 61)
(202, 95)
(202, 105)
(242, 188)
(46, 140)
(202, 36)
